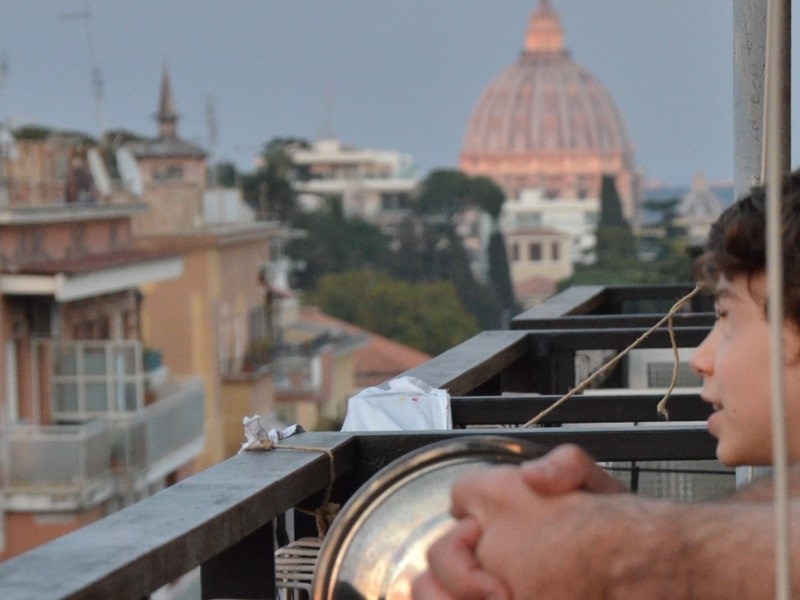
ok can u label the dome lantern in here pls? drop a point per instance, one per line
(544, 30)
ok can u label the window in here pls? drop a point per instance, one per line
(95, 378)
(170, 173)
(555, 251)
(530, 219)
(535, 251)
(394, 201)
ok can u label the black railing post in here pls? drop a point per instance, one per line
(245, 570)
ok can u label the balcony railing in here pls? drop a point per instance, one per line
(56, 467)
(163, 436)
(69, 467)
(226, 519)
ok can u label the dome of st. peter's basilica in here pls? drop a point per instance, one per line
(547, 122)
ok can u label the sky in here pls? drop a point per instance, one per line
(385, 74)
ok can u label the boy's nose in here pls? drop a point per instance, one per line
(703, 358)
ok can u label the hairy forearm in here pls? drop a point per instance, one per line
(763, 488)
(710, 551)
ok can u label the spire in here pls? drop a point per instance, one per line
(544, 30)
(166, 116)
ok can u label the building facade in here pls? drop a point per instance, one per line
(90, 418)
(377, 186)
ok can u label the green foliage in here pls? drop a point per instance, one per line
(115, 138)
(487, 194)
(615, 240)
(499, 273)
(431, 250)
(443, 192)
(618, 251)
(269, 190)
(334, 243)
(224, 174)
(425, 315)
(610, 204)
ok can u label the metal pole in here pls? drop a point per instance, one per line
(775, 166)
(749, 55)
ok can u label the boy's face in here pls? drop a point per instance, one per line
(734, 363)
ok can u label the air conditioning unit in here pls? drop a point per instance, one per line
(652, 368)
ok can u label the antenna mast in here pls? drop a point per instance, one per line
(96, 75)
(213, 137)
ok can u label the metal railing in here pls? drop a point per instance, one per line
(56, 455)
(226, 519)
(70, 463)
(172, 423)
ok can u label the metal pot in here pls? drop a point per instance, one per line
(377, 544)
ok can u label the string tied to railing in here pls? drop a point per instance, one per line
(260, 440)
(661, 407)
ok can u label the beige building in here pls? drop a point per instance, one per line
(212, 321)
(539, 252)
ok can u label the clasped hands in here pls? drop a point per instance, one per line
(512, 533)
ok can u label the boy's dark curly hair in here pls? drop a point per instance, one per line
(737, 243)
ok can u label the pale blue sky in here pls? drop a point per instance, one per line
(401, 74)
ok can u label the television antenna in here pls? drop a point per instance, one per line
(3, 67)
(97, 82)
(213, 137)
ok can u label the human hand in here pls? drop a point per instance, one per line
(536, 545)
(568, 468)
(453, 570)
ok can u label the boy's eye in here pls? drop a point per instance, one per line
(720, 314)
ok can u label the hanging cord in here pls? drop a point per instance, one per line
(662, 405)
(327, 510)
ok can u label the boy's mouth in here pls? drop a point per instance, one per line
(716, 406)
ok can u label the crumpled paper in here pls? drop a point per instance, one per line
(403, 403)
(259, 438)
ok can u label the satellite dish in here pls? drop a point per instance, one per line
(8, 146)
(98, 170)
(129, 171)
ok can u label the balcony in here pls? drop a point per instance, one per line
(76, 467)
(225, 519)
(57, 467)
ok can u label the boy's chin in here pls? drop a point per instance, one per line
(732, 458)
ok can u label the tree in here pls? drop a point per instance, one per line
(499, 273)
(615, 239)
(445, 193)
(334, 243)
(618, 251)
(224, 174)
(425, 315)
(269, 190)
(485, 193)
